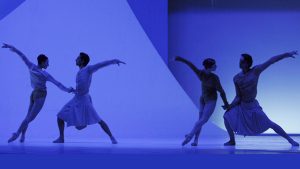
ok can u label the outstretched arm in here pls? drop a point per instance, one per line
(222, 94)
(94, 68)
(23, 57)
(191, 65)
(59, 85)
(260, 68)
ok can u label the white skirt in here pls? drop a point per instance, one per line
(248, 119)
(79, 112)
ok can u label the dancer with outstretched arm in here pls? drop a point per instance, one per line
(210, 86)
(80, 112)
(244, 115)
(38, 77)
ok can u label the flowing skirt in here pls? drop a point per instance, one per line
(79, 112)
(248, 119)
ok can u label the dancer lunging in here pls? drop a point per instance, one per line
(38, 78)
(79, 112)
(210, 85)
(245, 116)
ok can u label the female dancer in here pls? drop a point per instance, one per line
(210, 85)
(38, 78)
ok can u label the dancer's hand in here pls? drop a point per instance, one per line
(226, 107)
(71, 90)
(8, 46)
(176, 58)
(118, 62)
(293, 54)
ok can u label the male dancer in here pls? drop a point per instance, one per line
(245, 116)
(79, 112)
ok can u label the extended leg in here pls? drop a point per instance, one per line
(207, 112)
(36, 108)
(283, 134)
(106, 129)
(28, 112)
(197, 134)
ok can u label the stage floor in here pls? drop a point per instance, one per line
(247, 145)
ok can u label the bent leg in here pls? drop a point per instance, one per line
(209, 108)
(36, 108)
(230, 132)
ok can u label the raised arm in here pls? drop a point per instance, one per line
(59, 85)
(260, 68)
(94, 68)
(191, 65)
(23, 57)
(222, 93)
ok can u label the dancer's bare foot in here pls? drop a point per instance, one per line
(13, 137)
(187, 139)
(294, 143)
(113, 140)
(230, 143)
(59, 140)
(195, 144)
(22, 139)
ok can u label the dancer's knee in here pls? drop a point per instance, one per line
(201, 121)
(272, 125)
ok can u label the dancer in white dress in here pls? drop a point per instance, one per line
(245, 116)
(38, 78)
(79, 112)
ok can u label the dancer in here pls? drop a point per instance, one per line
(38, 78)
(79, 112)
(210, 85)
(245, 116)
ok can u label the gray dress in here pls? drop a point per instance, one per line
(247, 117)
(79, 111)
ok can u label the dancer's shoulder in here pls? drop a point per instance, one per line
(237, 76)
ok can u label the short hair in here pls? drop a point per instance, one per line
(85, 57)
(208, 63)
(42, 58)
(248, 59)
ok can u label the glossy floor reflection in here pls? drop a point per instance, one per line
(247, 145)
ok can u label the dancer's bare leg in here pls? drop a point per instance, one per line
(61, 127)
(207, 112)
(36, 108)
(230, 132)
(28, 112)
(283, 134)
(106, 129)
(201, 107)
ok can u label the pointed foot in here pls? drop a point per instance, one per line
(13, 137)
